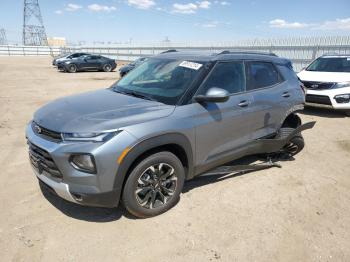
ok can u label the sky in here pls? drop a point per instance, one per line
(181, 20)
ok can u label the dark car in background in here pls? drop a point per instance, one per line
(87, 63)
(66, 57)
(127, 68)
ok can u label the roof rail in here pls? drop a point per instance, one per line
(225, 52)
(169, 51)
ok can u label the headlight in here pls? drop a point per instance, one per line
(89, 137)
(83, 162)
(342, 84)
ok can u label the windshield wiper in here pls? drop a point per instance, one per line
(135, 94)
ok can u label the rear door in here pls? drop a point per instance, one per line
(270, 97)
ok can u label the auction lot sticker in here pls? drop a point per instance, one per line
(190, 65)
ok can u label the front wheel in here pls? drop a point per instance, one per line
(154, 185)
(72, 68)
(295, 145)
(107, 68)
(347, 113)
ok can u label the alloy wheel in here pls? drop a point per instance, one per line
(156, 186)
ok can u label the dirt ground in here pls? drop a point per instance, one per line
(300, 212)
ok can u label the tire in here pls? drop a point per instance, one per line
(347, 113)
(72, 68)
(144, 188)
(107, 68)
(295, 145)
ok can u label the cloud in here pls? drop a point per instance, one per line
(280, 23)
(222, 2)
(338, 24)
(204, 4)
(101, 8)
(142, 4)
(190, 8)
(211, 24)
(58, 12)
(73, 7)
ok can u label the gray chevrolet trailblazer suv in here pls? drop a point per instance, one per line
(176, 116)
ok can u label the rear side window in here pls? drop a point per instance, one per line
(226, 75)
(261, 74)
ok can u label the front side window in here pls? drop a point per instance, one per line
(330, 64)
(261, 74)
(226, 75)
(163, 80)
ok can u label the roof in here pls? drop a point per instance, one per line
(207, 56)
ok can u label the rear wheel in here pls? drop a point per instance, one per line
(72, 68)
(295, 145)
(154, 185)
(107, 68)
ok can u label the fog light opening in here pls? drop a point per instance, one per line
(83, 162)
(342, 99)
(77, 197)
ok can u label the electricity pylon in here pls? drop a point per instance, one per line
(33, 26)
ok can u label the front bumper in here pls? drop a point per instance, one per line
(327, 98)
(61, 66)
(76, 186)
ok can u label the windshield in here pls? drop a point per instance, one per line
(163, 80)
(330, 64)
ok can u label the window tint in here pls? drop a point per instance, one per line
(261, 74)
(226, 75)
(94, 57)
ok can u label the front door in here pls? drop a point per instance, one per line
(222, 128)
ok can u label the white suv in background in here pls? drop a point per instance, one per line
(327, 82)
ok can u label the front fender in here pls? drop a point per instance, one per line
(149, 144)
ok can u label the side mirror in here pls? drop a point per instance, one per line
(214, 95)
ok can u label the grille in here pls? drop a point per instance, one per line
(318, 85)
(46, 133)
(317, 99)
(42, 161)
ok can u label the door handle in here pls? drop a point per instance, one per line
(243, 103)
(286, 94)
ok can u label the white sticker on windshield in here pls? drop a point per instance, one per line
(190, 65)
(348, 59)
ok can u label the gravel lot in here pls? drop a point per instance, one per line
(300, 212)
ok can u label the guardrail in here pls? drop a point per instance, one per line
(15, 50)
(300, 55)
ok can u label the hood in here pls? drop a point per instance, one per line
(98, 111)
(317, 76)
